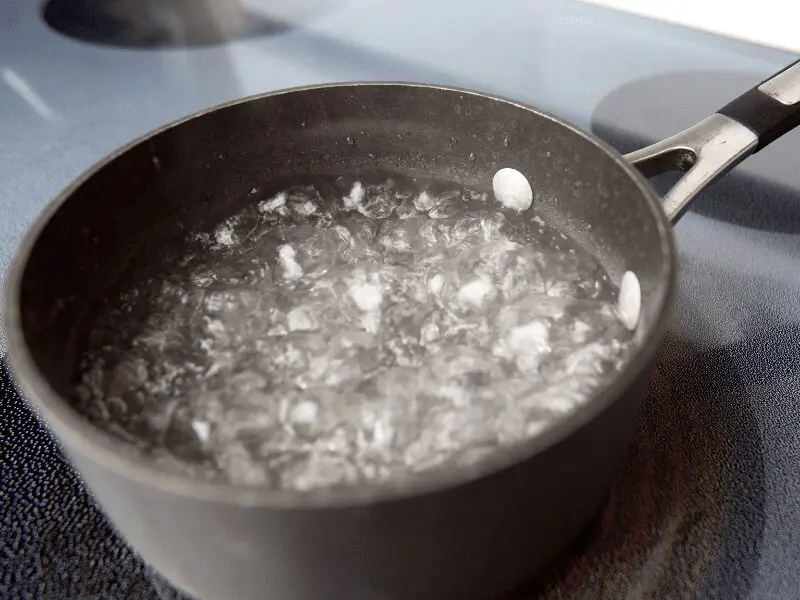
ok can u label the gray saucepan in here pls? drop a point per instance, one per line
(471, 534)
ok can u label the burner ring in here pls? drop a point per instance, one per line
(154, 24)
(636, 114)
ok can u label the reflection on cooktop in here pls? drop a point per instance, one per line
(151, 24)
(684, 518)
(757, 196)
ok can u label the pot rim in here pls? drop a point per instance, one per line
(80, 436)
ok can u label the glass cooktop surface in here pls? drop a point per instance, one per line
(708, 502)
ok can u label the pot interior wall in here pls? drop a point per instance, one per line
(188, 177)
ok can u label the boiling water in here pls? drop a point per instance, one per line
(351, 332)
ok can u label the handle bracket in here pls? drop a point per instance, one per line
(705, 152)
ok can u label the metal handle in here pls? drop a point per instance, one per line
(711, 148)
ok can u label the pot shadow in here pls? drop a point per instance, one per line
(685, 516)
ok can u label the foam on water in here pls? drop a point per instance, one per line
(353, 334)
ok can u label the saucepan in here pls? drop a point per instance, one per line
(476, 533)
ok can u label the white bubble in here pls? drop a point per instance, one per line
(291, 268)
(306, 208)
(356, 196)
(202, 430)
(298, 319)
(304, 413)
(435, 284)
(367, 296)
(273, 204)
(524, 338)
(424, 202)
(477, 291)
(429, 333)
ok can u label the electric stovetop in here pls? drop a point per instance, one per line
(708, 504)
